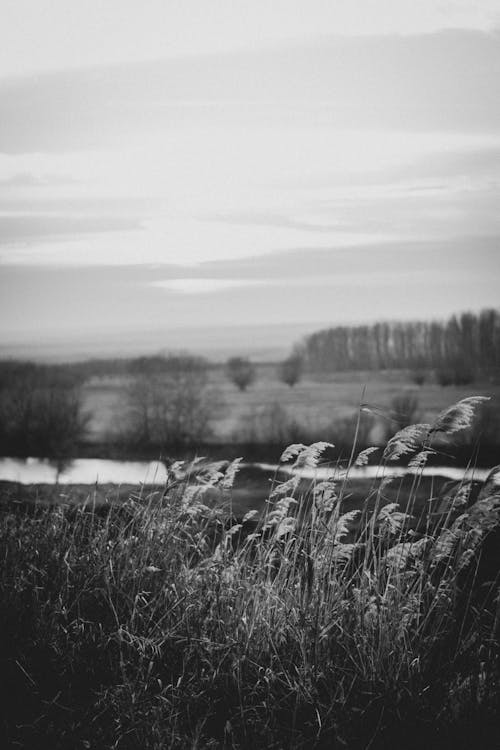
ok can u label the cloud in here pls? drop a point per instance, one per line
(471, 163)
(205, 285)
(473, 157)
(29, 180)
(21, 228)
(267, 219)
(21, 179)
(441, 81)
(375, 261)
(419, 280)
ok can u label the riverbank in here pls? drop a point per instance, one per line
(250, 492)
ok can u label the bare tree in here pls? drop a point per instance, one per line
(241, 372)
(172, 406)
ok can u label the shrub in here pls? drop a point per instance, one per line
(241, 372)
(290, 370)
(444, 376)
(41, 412)
(458, 372)
(463, 374)
(270, 425)
(173, 407)
(418, 377)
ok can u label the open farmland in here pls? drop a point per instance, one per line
(316, 402)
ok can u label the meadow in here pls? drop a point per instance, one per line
(270, 412)
(165, 621)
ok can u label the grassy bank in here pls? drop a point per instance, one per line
(161, 622)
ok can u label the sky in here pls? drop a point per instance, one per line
(184, 172)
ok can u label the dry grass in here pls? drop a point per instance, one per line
(321, 402)
(164, 623)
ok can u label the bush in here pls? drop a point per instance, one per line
(457, 373)
(270, 425)
(444, 376)
(173, 406)
(464, 375)
(41, 411)
(418, 377)
(290, 370)
(241, 372)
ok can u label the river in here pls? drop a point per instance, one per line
(102, 471)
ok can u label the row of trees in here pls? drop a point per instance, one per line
(462, 342)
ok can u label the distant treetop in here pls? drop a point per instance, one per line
(241, 372)
(463, 340)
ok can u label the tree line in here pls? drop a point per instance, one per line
(463, 343)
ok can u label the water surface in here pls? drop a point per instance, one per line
(104, 471)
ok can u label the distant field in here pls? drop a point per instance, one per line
(315, 402)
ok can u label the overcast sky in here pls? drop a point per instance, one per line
(177, 164)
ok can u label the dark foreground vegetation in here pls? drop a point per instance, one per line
(164, 622)
(41, 410)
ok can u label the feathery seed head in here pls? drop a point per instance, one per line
(459, 416)
(407, 440)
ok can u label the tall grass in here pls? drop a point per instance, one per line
(166, 623)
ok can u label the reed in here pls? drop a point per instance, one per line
(166, 623)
